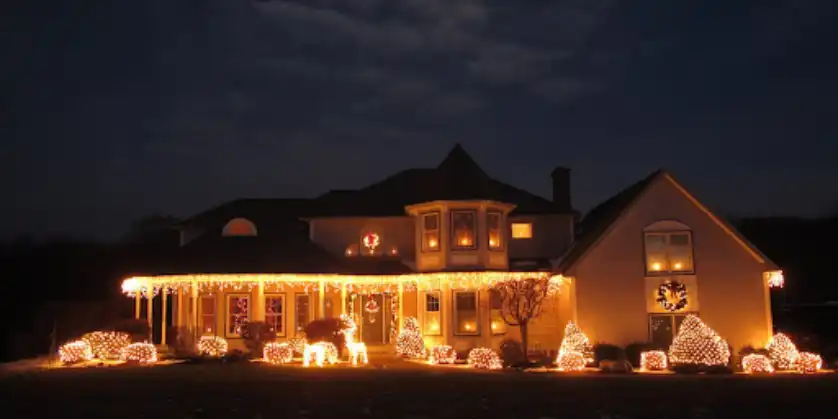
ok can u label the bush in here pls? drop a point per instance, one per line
(718, 370)
(608, 352)
(512, 353)
(633, 351)
(326, 330)
(256, 335)
(137, 329)
(235, 356)
(620, 366)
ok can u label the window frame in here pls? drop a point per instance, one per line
(668, 268)
(427, 330)
(455, 245)
(672, 317)
(499, 229)
(512, 230)
(297, 326)
(456, 317)
(214, 315)
(495, 313)
(282, 315)
(228, 315)
(425, 245)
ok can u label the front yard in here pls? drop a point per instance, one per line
(404, 390)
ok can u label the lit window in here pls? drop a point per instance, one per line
(493, 226)
(669, 252)
(433, 320)
(465, 313)
(238, 313)
(274, 313)
(301, 310)
(496, 305)
(664, 327)
(208, 315)
(521, 230)
(351, 250)
(462, 231)
(239, 227)
(430, 232)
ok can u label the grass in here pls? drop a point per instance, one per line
(403, 390)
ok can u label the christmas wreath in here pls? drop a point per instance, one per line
(672, 296)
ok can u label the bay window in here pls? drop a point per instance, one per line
(466, 319)
(433, 318)
(275, 313)
(238, 313)
(493, 227)
(463, 230)
(430, 232)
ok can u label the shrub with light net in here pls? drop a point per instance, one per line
(756, 363)
(142, 353)
(442, 354)
(75, 351)
(107, 344)
(410, 342)
(212, 346)
(277, 353)
(576, 341)
(570, 361)
(484, 358)
(653, 360)
(783, 352)
(298, 344)
(698, 344)
(809, 362)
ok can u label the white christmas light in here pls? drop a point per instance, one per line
(212, 346)
(75, 351)
(756, 363)
(653, 360)
(143, 353)
(442, 354)
(484, 358)
(277, 353)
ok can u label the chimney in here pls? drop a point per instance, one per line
(561, 188)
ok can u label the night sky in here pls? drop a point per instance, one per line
(115, 109)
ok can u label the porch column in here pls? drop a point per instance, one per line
(179, 302)
(163, 319)
(259, 304)
(150, 296)
(321, 294)
(343, 298)
(137, 307)
(194, 310)
(401, 305)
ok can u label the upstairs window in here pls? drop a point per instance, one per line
(430, 232)
(521, 230)
(239, 227)
(493, 226)
(463, 229)
(669, 252)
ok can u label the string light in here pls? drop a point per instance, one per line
(484, 358)
(75, 351)
(442, 354)
(756, 363)
(653, 360)
(277, 353)
(571, 361)
(783, 352)
(698, 344)
(576, 341)
(410, 342)
(809, 362)
(107, 345)
(298, 344)
(776, 279)
(143, 353)
(357, 350)
(321, 352)
(212, 346)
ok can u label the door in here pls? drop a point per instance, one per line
(375, 319)
(664, 327)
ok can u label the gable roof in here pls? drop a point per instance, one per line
(599, 220)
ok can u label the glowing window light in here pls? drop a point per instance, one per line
(653, 360)
(75, 351)
(756, 363)
(212, 346)
(484, 358)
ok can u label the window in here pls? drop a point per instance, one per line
(433, 320)
(465, 313)
(207, 320)
(664, 327)
(669, 252)
(430, 232)
(239, 227)
(463, 230)
(493, 226)
(275, 313)
(301, 311)
(521, 230)
(238, 313)
(496, 305)
(352, 250)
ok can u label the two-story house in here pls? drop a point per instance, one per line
(431, 243)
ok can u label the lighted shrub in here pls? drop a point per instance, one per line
(757, 363)
(410, 342)
(107, 345)
(696, 343)
(256, 335)
(142, 353)
(634, 350)
(653, 360)
(809, 362)
(298, 344)
(783, 352)
(484, 358)
(442, 354)
(277, 353)
(570, 361)
(212, 346)
(75, 351)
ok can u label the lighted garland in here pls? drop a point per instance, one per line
(653, 360)
(698, 344)
(75, 351)
(783, 352)
(410, 342)
(442, 354)
(484, 358)
(107, 345)
(757, 363)
(570, 361)
(143, 353)
(575, 340)
(809, 363)
(277, 353)
(212, 346)
(672, 289)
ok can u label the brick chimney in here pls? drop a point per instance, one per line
(561, 188)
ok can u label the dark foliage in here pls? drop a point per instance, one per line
(633, 350)
(512, 353)
(136, 328)
(235, 356)
(608, 352)
(718, 370)
(256, 335)
(620, 366)
(686, 369)
(328, 330)
(747, 350)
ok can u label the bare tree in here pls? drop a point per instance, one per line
(522, 300)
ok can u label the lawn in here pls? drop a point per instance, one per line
(404, 391)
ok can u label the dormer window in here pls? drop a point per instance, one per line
(493, 227)
(669, 248)
(463, 230)
(239, 227)
(430, 232)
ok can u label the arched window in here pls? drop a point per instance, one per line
(239, 227)
(668, 248)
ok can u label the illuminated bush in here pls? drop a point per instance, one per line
(107, 345)
(783, 353)
(809, 362)
(698, 344)
(75, 351)
(410, 342)
(653, 360)
(212, 346)
(756, 363)
(576, 341)
(484, 358)
(298, 344)
(442, 354)
(277, 353)
(143, 353)
(320, 353)
(571, 361)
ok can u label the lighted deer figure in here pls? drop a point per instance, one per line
(322, 352)
(357, 350)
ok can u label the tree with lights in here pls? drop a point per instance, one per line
(576, 341)
(698, 344)
(410, 342)
(783, 352)
(522, 300)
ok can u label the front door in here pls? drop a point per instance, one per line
(375, 316)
